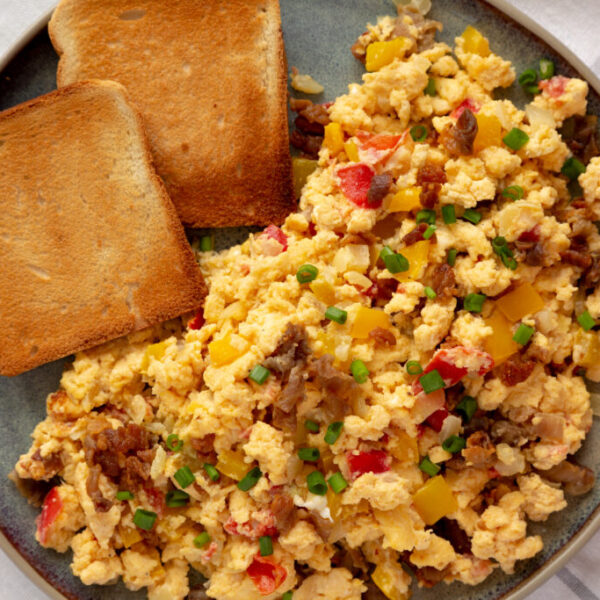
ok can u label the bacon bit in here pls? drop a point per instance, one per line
(373, 461)
(51, 508)
(378, 190)
(420, 430)
(273, 232)
(515, 370)
(383, 336)
(472, 105)
(383, 290)
(312, 229)
(531, 235)
(355, 182)
(436, 420)
(554, 87)
(197, 321)
(266, 574)
(209, 552)
(156, 499)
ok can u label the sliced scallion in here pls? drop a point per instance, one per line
(546, 69)
(311, 426)
(184, 476)
(426, 216)
(572, 168)
(124, 495)
(472, 215)
(250, 479)
(174, 444)
(513, 192)
(430, 292)
(429, 467)
(144, 519)
(337, 483)
(359, 371)
(523, 334)
(432, 381)
(586, 320)
(333, 432)
(259, 374)
(467, 407)
(429, 232)
(265, 543)
(451, 260)
(309, 454)
(211, 471)
(474, 302)
(449, 214)
(201, 539)
(413, 367)
(419, 133)
(316, 483)
(333, 313)
(454, 444)
(307, 273)
(176, 498)
(515, 139)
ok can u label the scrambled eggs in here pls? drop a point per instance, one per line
(393, 378)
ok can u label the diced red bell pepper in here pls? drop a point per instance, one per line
(266, 574)
(355, 181)
(554, 87)
(273, 232)
(51, 508)
(436, 420)
(373, 461)
(381, 142)
(531, 235)
(197, 320)
(473, 106)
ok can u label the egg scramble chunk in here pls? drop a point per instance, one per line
(394, 377)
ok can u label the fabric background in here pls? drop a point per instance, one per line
(576, 23)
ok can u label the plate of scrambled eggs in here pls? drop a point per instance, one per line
(388, 395)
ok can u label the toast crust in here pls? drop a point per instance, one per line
(212, 91)
(90, 242)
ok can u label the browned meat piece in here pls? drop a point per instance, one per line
(383, 290)
(575, 479)
(549, 427)
(592, 275)
(383, 336)
(416, 235)
(52, 464)
(515, 370)
(283, 509)
(535, 256)
(32, 490)
(380, 186)
(480, 451)
(430, 178)
(458, 138)
(498, 490)
(443, 281)
(508, 432)
(305, 126)
(198, 593)
(450, 530)
(316, 113)
(578, 253)
(428, 576)
(203, 445)
(101, 504)
(309, 144)
(292, 349)
(580, 133)
(426, 28)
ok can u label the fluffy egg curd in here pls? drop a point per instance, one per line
(390, 382)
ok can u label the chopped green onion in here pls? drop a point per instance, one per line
(333, 432)
(309, 454)
(428, 467)
(451, 260)
(413, 367)
(174, 444)
(337, 483)
(307, 273)
(546, 69)
(124, 495)
(509, 262)
(211, 471)
(586, 320)
(316, 483)
(454, 444)
(515, 139)
(513, 192)
(176, 498)
(572, 168)
(430, 87)
(429, 232)
(419, 133)
(432, 381)
(311, 426)
(523, 334)
(287, 596)
(501, 248)
(201, 539)
(333, 313)
(430, 292)
(468, 407)
(207, 243)
(144, 519)
(184, 476)
(359, 371)
(528, 77)
(474, 302)
(426, 216)
(250, 479)
(394, 262)
(265, 543)
(472, 215)
(259, 374)
(532, 89)
(449, 214)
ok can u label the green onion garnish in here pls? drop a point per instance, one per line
(211, 471)
(394, 262)
(432, 381)
(428, 467)
(333, 313)
(359, 371)
(337, 483)
(467, 407)
(333, 432)
(413, 367)
(546, 69)
(176, 498)
(259, 374)
(474, 302)
(124, 495)
(207, 243)
(430, 292)
(451, 260)
(528, 77)
(586, 320)
(523, 334)
(184, 476)
(501, 248)
(426, 216)
(307, 273)
(250, 479)
(472, 215)
(174, 444)
(309, 454)
(316, 483)
(311, 426)
(201, 539)
(144, 519)
(430, 87)
(265, 543)
(454, 444)
(572, 168)
(287, 596)
(449, 214)
(419, 133)
(515, 139)
(513, 192)
(532, 89)
(429, 232)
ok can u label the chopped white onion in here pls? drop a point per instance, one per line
(423, 6)
(451, 426)
(427, 404)
(306, 84)
(539, 116)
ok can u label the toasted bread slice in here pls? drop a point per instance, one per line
(90, 244)
(210, 80)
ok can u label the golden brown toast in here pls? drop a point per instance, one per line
(90, 244)
(209, 78)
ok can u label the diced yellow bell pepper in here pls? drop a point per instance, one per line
(435, 500)
(500, 345)
(417, 255)
(226, 350)
(334, 501)
(323, 290)
(129, 536)
(366, 320)
(474, 42)
(380, 54)
(387, 577)
(302, 168)
(587, 348)
(522, 301)
(351, 150)
(334, 138)
(406, 200)
(232, 464)
(156, 351)
(404, 448)
(489, 132)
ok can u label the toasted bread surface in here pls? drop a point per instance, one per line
(90, 244)
(209, 78)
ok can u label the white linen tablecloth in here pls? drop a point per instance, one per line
(577, 24)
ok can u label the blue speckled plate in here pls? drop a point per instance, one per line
(318, 35)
